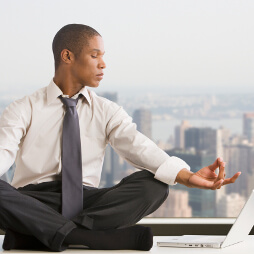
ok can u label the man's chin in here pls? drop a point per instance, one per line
(94, 85)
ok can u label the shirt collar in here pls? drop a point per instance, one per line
(53, 91)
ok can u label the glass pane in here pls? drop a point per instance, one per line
(182, 69)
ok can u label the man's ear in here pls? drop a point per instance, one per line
(66, 56)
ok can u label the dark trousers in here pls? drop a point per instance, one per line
(35, 209)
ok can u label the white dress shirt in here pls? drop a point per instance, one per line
(31, 134)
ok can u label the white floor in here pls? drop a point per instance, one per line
(245, 247)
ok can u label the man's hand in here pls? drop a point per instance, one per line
(206, 178)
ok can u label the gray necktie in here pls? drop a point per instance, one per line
(72, 187)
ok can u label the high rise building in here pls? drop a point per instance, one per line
(176, 205)
(202, 202)
(248, 126)
(230, 205)
(222, 138)
(180, 134)
(143, 119)
(201, 139)
(111, 166)
(239, 156)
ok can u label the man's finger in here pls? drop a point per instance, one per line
(217, 184)
(220, 185)
(232, 179)
(216, 164)
(221, 171)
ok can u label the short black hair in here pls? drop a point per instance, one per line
(72, 37)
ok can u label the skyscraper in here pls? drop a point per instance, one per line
(248, 126)
(240, 157)
(176, 205)
(230, 205)
(180, 134)
(202, 202)
(222, 138)
(202, 139)
(143, 119)
(111, 165)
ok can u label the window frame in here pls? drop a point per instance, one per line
(189, 226)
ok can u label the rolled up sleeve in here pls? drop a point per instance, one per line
(139, 150)
(168, 171)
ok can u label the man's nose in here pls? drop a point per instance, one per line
(102, 64)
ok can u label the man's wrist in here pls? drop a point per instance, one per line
(183, 176)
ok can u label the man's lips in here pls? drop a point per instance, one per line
(100, 76)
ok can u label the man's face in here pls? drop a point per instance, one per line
(87, 69)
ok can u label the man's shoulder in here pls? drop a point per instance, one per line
(26, 102)
(39, 94)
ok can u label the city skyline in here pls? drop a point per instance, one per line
(168, 111)
(198, 146)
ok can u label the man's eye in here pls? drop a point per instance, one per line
(93, 56)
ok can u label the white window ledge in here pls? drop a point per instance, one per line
(187, 221)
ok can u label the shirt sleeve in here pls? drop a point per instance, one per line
(139, 150)
(13, 125)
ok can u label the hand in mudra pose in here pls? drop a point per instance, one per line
(206, 178)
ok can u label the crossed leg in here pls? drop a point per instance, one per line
(34, 210)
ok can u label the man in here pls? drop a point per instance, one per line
(57, 137)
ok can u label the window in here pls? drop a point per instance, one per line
(182, 69)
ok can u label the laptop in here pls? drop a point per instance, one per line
(238, 232)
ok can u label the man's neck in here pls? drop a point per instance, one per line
(66, 84)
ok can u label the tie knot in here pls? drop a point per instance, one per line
(69, 102)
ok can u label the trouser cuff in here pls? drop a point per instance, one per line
(58, 240)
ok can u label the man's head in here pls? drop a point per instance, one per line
(79, 49)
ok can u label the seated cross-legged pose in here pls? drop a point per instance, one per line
(57, 138)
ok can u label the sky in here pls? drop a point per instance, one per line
(169, 47)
